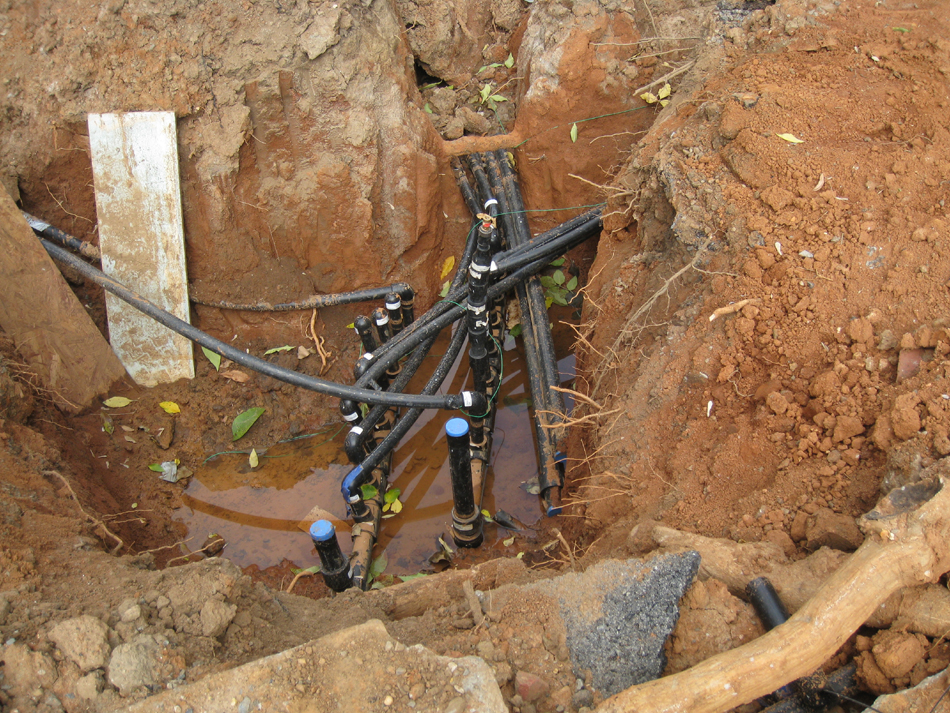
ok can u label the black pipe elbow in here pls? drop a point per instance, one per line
(349, 410)
(353, 445)
(364, 328)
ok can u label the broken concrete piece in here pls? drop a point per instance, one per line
(48, 325)
(339, 674)
(618, 615)
(923, 697)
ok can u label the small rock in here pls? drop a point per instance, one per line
(830, 529)
(905, 420)
(847, 427)
(129, 610)
(583, 698)
(474, 122)
(215, 617)
(530, 686)
(797, 530)
(457, 705)
(322, 33)
(896, 652)
(777, 403)
(486, 649)
(84, 640)
(454, 129)
(88, 686)
(417, 691)
(135, 664)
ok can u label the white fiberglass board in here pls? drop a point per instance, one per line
(141, 237)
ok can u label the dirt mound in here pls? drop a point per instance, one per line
(764, 342)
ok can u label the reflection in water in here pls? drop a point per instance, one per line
(257, 511)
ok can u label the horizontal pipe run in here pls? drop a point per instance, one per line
(466, 400)
(311, 302)
(46, 230)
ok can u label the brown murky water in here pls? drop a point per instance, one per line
(260, 511)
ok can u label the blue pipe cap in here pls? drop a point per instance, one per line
(322, 531)
(456, 427)
(553, 510)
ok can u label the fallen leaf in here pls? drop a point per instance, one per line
(253, 460)
(447, 266)
(285, 348)
(117, 402)
(127, 429)
(157, 467)
(509, 542)
(170, 407)
(487, 516)
(243, 422)
(213, 357)
(396, 506)
(665, 91)
(235, 375)
(445, 289)
(303, 352)
(791, 138)
(519, 555)
(573, 133)
(107, 424)
(649, 97)
(368, 491)
(130, 439)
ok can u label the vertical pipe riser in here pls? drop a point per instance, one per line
(467, 523)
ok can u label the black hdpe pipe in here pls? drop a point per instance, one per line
(467, 528)
(811, 692)
(549, 480)
(67, 241)
(311, 302)
(539, 254)
(356, 438)
(333, 563)
(362, 473)
(535, 292)
(466, 399)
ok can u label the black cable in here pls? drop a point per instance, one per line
(312, 302)
(312, 383)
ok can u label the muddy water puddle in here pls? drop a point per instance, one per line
(260, 511)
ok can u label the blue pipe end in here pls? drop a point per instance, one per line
(553, 510)
(349, 485)
(322, 531)
(456, 427)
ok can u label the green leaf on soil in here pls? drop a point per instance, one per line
(107, 425)
(117, 402)
(572, 284)
(253, 459)
(487, 516)
(557, 263)
(515, 331)
(574, 133)
(445, 289)
(558, 277)
(285, 348)
(392, 495)
(213, 357)
(310, 570)
(378, 566)
(427, 108)
(510, 62)
(407, 577)
(244, 421)
(368, 491)
(157, 467)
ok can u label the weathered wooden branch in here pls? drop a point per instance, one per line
(906, 545)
